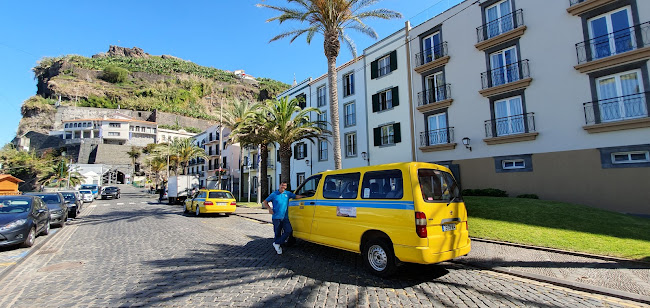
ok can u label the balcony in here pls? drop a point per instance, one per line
(498, 31)
(436, 98)
(510, 129)
(616, 48)
(431, 58)
(504, 79)
(578, 7)
(437, 140)
(617, 113)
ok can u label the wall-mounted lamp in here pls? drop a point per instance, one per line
(364, 155)
(466, 143)
(307, 162)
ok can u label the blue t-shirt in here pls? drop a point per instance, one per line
(280, 203)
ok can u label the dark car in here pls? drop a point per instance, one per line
(57, 206)
(74, 204)
(111, 192)
(22, 218)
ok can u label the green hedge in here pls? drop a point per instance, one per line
(485, 192)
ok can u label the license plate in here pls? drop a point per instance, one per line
(448, 227)
(222, 203)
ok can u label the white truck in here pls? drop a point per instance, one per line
(178, 187)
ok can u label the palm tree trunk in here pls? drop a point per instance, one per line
(332, 47)
(285, 160)
(264, 180)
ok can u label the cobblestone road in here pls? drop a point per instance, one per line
(142, 254)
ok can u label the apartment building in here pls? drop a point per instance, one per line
(543, 97)
(388, 100)
(117, 130)
(167, 135)
(213, 173)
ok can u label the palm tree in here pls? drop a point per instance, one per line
(331, 18)
(134, 154)
(233, 117)
(60, 173)
(157, 164)
(288, 123)
(186, 150)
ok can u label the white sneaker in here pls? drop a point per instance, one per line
(277, 247)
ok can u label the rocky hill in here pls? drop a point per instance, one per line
(129, 78)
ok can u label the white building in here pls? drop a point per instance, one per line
(167, 135)
(117, 130)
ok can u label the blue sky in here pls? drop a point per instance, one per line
(224, 34)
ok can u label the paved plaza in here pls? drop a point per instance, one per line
(136, 252)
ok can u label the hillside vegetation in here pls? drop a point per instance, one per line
(131, 79)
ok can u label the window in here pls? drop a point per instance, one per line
(435, 88)
(308, 188)
(351, 144)
(322, 150)
(341, 186)
(438, 132)
(620, 96)
(499, 18)
(504, 67)
(322, 120)
(513, 164)
(611, 33)
(320, 96)
(631, 157)
(66, 125)
(348, 84)
(387, 134)
(300, 177)
(384, 66)
(302, 100)
(220, 195)
(115, 125)
(432, 49)
(386, 184)
(509, 116)
(300, 150)
(385, 100)
(437, 186)
(350, 114)
(113, 133)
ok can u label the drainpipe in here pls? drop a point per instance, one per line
(407, 26)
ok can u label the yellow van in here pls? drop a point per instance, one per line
(402, 212)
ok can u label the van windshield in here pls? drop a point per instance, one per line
(438, 186)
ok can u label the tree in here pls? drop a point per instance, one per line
(26, 166)
(134, 154)
(60, 173)
(185, 150)
(331, 18)
(288, 123)
(233, 117)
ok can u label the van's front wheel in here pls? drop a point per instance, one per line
(379, 257)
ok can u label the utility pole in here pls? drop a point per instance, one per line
(220, 141)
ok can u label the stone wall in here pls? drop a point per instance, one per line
(112, 154)
(164, 118)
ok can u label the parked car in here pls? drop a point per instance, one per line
(111, 192)
(74, 204)
(87, 195)
(211, 201)
(22, 218)
(57, 206)
(92, 187)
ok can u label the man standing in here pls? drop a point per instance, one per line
(280, 211)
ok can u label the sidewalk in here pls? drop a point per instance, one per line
(596, 274)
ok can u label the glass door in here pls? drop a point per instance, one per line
(621, 96)
(437, 133)
(432, 48)
(499, 19)
(435, 88)
(504, 66)
(611, 34)
(509, 116)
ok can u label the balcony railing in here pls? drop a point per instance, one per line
(431, 54)
(512, 125)
(505, 74)
(437, 94)
(614, 43)
(501, 25)
(574, 2)
(617, 108)
(437, 136)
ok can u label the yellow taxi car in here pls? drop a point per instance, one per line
(208, 201)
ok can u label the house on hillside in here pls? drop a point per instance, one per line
(9, 184)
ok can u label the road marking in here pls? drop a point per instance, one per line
(143, 202)
(121, 203)
(7, 263)
(92, 206)
(131, 202)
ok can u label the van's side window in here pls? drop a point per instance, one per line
(385, 184)
(437, 186)
(308, 188)
(341, 186)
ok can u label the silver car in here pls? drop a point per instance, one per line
(87, 195)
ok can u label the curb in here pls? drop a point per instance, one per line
(566, 252)
(563, 283)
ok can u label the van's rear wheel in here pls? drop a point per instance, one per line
(379, 257)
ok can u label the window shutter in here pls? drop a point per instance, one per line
(304, 150)
(395, 95)
(374, 69)
(377, 135)
(398, 133)
(375, 103)
(295, 151)
(393, 60)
